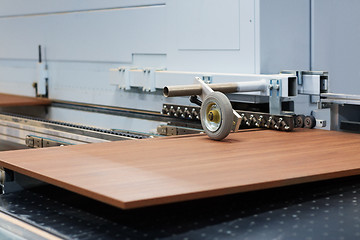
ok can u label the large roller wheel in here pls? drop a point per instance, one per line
(216, 115)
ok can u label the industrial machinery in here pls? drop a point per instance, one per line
(218, 117)
(75, 73)
(216, 113)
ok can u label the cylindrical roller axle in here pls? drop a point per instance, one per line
(195, 89)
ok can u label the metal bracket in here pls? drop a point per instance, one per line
(40, 142)
(298, 74)
(310, 82)
(320, 123)
(206, 90)
(207, 79)
(42, 76)
(42, 79)
(2, 180)
(236, 121)
(169, 130)
(275, 89)
(124, 80)
(121, 77)
(149, 80)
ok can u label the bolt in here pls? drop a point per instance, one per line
(211, 116)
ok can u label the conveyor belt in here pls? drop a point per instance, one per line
(66, 127)
(133, 174)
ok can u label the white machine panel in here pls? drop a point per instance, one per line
(83, 41)
(109, 35)
(26, 7)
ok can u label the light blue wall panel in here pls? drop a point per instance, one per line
(336, 39)
(211, 36)
(208, 25)
(83, 41)
(284, 35)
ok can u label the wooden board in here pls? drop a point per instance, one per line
(138, 173)
(9, 100)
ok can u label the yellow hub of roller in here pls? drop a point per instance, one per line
(213, 114)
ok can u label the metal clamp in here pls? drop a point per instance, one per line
(150, 79)
(124, 78)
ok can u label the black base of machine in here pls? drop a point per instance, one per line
(322, 210)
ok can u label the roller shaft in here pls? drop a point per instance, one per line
(195, 89)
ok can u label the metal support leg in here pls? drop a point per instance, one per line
(275, 96)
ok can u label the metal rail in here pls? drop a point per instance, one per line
(16, 128)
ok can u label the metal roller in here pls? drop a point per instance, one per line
(216, 116)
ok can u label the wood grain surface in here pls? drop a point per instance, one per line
(138, 173)
(9, 100)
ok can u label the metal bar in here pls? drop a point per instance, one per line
(125, 112)
(340, 96)
(16, 127)
(18, 229)
(195, 89)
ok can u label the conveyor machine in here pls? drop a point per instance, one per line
(103, 67)
(218, 117)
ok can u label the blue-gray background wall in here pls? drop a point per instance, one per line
(336, 43)
(84, 39)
